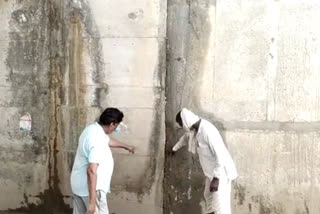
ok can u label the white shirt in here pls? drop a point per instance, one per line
(214, 157)
(93, 147)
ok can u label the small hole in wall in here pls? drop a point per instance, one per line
(25, 122)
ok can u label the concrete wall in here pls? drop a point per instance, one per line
(61, 63)
(252, 68)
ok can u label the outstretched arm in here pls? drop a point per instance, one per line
(116, 144)
(181, 143)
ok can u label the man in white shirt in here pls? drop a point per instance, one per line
(93, 165)
(204, 138)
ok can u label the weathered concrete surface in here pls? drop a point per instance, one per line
(28, 168)
(63, 62)
(250, 67)
(286, 171)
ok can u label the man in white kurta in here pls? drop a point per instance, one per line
(218, 167)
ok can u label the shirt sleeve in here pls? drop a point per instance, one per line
(182, 142)
(95, 150)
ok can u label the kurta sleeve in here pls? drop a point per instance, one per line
(181, 143)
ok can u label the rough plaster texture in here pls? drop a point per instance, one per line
(251, 68)
(63, 62)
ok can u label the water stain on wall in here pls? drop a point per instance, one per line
(33, 27)
(36, 60)
(48, 41)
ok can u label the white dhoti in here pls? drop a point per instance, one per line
(219, 201)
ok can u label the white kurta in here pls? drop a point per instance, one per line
(214, 157)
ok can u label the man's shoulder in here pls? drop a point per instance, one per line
(94, 127)
(209, 129)
(94, 133)
(207, 124)
(89, 130)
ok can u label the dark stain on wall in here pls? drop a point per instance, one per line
(240, 193)
(45, 55)
(188, 31)
(27, 76)
(35, 68)
(306, 207)
(265, 206)
(81, 12)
